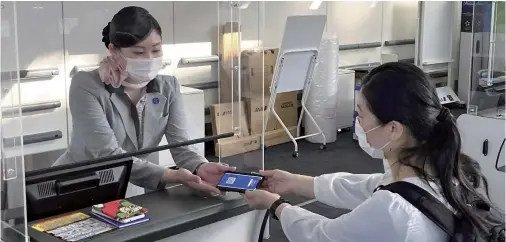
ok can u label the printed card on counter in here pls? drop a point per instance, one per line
(73, 227)
(60, 221)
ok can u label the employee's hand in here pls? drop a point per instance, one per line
(212, 172)
(278, 181)
(186, 177)
(260, 199)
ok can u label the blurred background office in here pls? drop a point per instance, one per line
(56, 39)
(217, 50)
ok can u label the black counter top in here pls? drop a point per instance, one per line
(172, 211)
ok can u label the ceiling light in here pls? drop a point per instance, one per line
(315, 4)
(244, 5)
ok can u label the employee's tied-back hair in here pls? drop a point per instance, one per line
(402, 92)
(129, 26)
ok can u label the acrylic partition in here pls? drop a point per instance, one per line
(220, 51)
(242, 81)
(12, 185)
(250, 36)
(483, 126)
(488, 63)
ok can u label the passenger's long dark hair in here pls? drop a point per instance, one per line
(402, 92)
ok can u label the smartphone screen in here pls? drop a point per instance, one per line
(239, 182)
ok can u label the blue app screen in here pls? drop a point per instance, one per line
(239, 181)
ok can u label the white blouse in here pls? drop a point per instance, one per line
(379, 217)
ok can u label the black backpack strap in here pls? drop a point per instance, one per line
(425, 203)
(497, 233)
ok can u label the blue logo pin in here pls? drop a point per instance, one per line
(156, 100)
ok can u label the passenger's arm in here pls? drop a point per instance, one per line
(345, 190)
(371, 221)
(177, 131)
(303, 185)
(91, 126)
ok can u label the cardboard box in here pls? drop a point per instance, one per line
(222, 120)
(255, 115)
(257, 71)
(253, 83)
(285, 106)
(252, 143)
(229, 56)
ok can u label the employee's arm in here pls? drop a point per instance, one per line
(97, 138)
(177, 130)
(377, 219)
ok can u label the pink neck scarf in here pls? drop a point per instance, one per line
(112, 72)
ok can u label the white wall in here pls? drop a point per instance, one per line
(399, 22)
(276, 12)
(190, 29)
(40, 46)
(356, 22)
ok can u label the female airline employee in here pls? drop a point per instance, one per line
(400, 116)
(125, 106)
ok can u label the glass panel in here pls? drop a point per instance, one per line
(188, 54)
(276, 13)
(12, 189)
(352, 30)
(488, 64)
(241, 88)
(288, 99)
(249, 54)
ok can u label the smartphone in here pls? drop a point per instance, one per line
(240, 182)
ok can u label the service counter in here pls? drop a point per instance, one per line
(181, 214)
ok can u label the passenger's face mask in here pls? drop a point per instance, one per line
(376, 153)
(386, 165)
(142, 71)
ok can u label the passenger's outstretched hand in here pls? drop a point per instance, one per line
(278, 181)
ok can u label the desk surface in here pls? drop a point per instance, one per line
(172, 211)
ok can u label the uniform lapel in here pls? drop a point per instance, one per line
(153, 112)
(124, 109)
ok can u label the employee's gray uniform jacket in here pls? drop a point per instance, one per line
(105, 122)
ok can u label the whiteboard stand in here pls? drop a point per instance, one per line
(294, 68)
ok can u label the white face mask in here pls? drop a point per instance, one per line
(362, 140)
(386, 165)
(142, 71)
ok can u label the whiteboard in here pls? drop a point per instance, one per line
(301, 40)
(436, 31)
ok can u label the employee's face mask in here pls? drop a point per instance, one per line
(376, 153)
(141, 71)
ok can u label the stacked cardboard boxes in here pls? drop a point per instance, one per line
(253, 83)
(285, 106)
(257, 73)
(256, 78)
(227, 116)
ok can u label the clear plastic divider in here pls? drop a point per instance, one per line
(12, 185)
